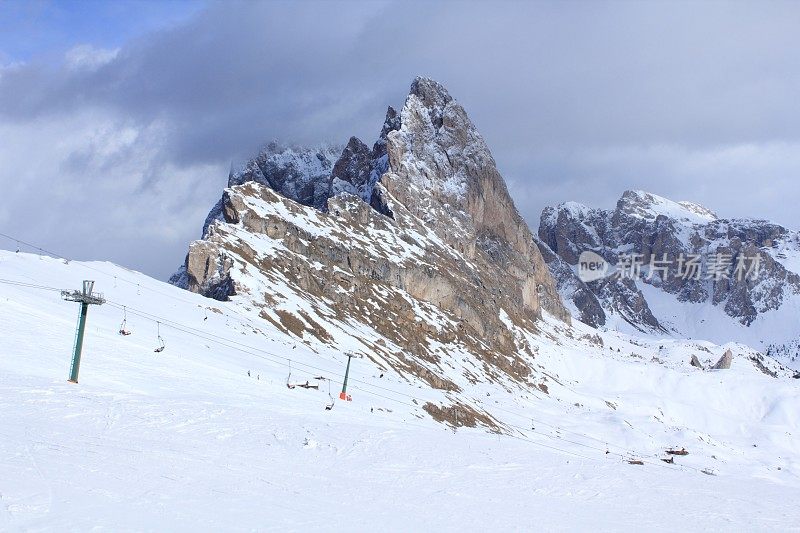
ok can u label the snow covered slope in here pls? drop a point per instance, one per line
(185, 439)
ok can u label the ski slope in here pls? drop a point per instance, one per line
(186, 440)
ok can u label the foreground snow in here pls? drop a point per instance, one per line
(186, 439)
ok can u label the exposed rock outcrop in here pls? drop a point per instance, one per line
(724, 362)
(441, 170)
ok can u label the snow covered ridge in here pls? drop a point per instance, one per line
(750, 299)
(200, 435)
(650, 206)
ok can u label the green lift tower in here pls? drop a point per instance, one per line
(86, 298)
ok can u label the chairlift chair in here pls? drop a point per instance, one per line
(332, 402)
(161, 344)
(289, 377)
(123, 328)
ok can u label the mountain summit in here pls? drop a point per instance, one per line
(412, 251)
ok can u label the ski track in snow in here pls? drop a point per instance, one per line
(185, 440)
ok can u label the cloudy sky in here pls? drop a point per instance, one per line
(118, 122)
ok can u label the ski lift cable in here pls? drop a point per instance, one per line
(139, 288)
(312, 367)
(211, 338)
(267, 355)
(369, 392)
(315, 368)
(29, 285)
(523, 431)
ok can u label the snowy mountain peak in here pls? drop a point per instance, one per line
(414, 247)
(649, 206)
(432, 93)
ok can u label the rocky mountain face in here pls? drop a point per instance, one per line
(663, 236)
(300, 173)
(412, 249)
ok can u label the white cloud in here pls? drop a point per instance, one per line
(753, 180)
(93, 185)
(87, 57)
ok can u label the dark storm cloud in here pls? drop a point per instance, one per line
(578, 101)
(226, 79)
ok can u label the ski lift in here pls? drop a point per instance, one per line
(123, 327)
(332, 402)
(161, 344)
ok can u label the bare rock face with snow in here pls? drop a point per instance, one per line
(724, 362)
(418, 251)
(655, 228)
(441, 170)
(302, 174)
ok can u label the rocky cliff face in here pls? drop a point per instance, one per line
(654, 229)
(303, 174)
(413, 248)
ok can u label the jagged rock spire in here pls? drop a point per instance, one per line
(429, 166)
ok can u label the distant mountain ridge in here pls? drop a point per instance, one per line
(653, 227)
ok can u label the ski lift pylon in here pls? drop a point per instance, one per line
(343, 395)
(161, 344)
